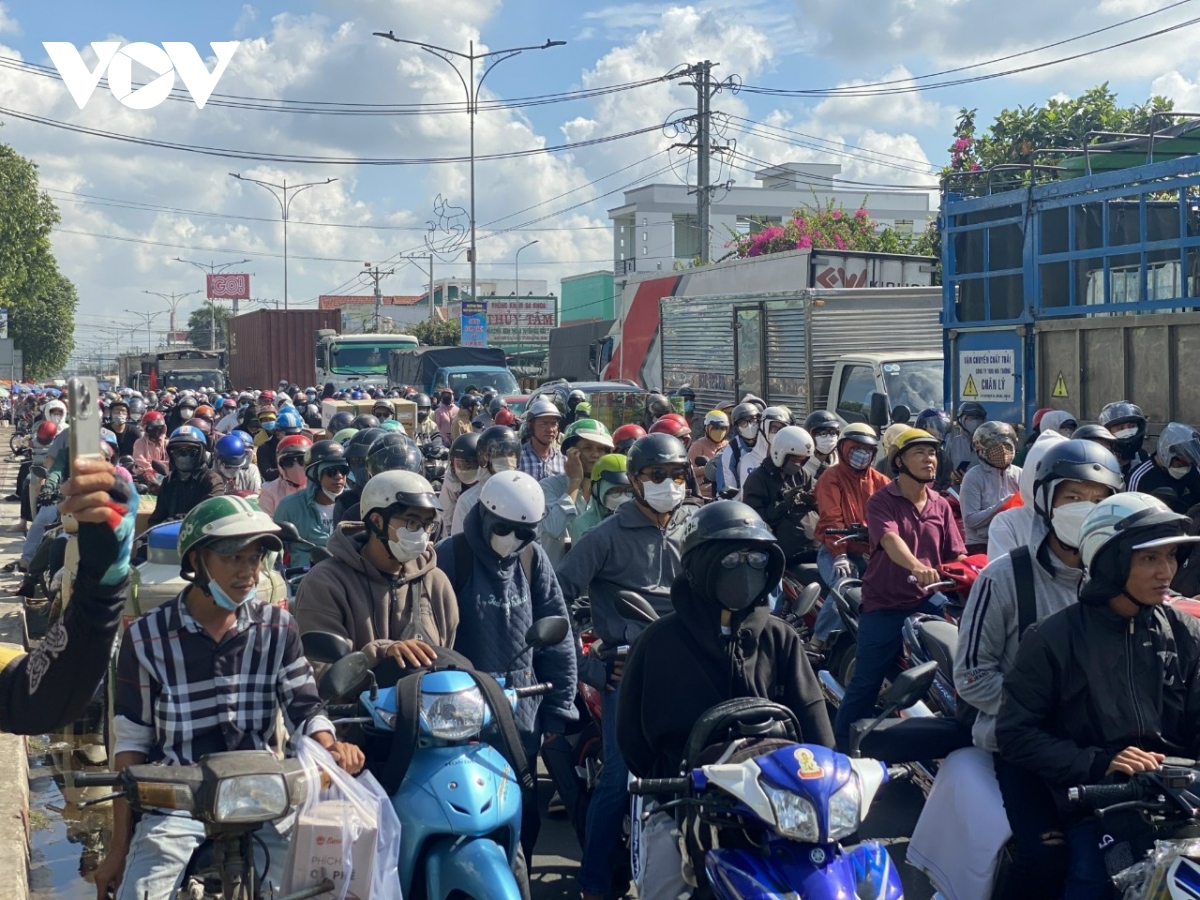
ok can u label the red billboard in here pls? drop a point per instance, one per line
(228, 287)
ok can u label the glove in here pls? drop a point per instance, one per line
(842, 567)
(104, 548)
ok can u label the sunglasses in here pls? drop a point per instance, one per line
(287, 462)
(755, 559)
(336, 470)
(503, 529)
(658, 476)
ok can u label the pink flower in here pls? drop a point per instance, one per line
(841, 244)
(861, 213)
(804, 243)
(837, 213)
(962, 144)
(975, 167)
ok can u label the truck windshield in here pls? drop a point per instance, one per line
(194, 379)
(916, 383)
(365, 358)
(499, 380)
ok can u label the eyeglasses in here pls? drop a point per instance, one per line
(755, 559)
(414, 524)
(335, 470)
(658, 476)
(503, 529)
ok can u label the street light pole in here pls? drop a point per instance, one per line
(285, 205)
(173, 300)
(149, 317)
(494, 57)
(520, 328)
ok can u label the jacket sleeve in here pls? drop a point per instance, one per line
(983, 635)
(1031, 691)
(580, 566)
(1002, 536)
(560, 511)
(320, 604)
(802, 694)
(631, 739)
(976, 512)
(444, 604)
(829, 512)
(554, 664)
(159, 514)
(757, 495)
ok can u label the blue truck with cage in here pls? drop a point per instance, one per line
(1072, 285)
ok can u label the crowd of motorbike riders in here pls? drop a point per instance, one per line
(701, 513)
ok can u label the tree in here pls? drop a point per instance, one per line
(438, 332)
(1018, 134)
(200, 322)
(27, 267)
(829, 227)
(41, 326)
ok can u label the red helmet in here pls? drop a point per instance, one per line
(267, 395)
(46, 432)
(1037, 416)
(295, 443)
(152, 418)
(504, 416)
(626, 435)
(205, 411)
(672, 424)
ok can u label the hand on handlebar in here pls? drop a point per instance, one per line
(412, 652)
(843, 568)
(1132, 760)
(925, 575)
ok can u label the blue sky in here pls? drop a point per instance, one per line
(323, 51)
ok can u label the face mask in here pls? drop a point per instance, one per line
(859, 458)
(748, 431)
(969, 425)
(56, 418)
(223, 599)
(422, 415)
(998, 457)
(226, 472)
(689, 406)
(468, 476)
(826, 444)
(665, 497)
(1067, 521)
(185, 414)
(120, 419)
(332, 495)
(716, 435)
(1124, 434)
(503, 464)
(793, 466)
(1177, 472)
(504, 545)
(613, 501)
(409, 544)
(739, 587)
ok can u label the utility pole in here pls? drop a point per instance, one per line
(700, 78)
(377, 276)
(174, 300)
(149, 317)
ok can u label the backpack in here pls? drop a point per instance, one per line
(463, 558)
(1022, 562)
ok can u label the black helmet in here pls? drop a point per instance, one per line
(655, 450)
(497, 440)
(657, 405)
(394, 451)
(322, 452)
(744, 411)
(497, 404)
(1093, 432)
(423, 401)
(1073, 460)
(971, 409)
(1118, 417)
(821, 418)
(356, 453)
(733, 526)
(466, 447)
(338, 421)
(366, 420)
(575, 398)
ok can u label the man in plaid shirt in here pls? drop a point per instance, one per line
(540, 455)
(204, 674)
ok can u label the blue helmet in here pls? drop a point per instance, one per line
(357, 395)
(244, 437)
(935, 421)
(232, 451)
(289, 421)
(187, 434)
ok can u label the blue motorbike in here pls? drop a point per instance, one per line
(781, 814)
(459, 797)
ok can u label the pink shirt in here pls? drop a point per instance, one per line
(146, 451)
(443, 416)
(273, 492)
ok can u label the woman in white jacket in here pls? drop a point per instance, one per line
(988, 487)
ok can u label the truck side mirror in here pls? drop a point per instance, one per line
(880, 415)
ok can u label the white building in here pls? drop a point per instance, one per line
(451, 290)
(656, 226)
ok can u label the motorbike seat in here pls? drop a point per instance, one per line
(805, 573)
(739, 717)
(853, 597)
(940, 641)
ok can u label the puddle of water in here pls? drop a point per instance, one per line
(66, 843)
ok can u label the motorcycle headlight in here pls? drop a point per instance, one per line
(251, 798)
(795, 817)
(845, 810)
(453, 717)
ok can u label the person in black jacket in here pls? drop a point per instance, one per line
(1109, 686)
(781, 492)
(190, 481)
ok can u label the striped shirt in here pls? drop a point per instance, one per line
(181, 695)
(532, 464)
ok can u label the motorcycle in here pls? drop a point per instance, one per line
(778, 817)
(458, 797)
(436, 457)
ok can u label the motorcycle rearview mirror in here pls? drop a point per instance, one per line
(806, 600)
(700, 461)
(288, 532)
(160, 467)
(547, 632)
(728, 494)
(345, 677)
(325, 647)
(39, 471)
(880, 414)
(632, 605)
(907, 688)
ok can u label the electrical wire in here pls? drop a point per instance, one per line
(758, 128)
(824, 181)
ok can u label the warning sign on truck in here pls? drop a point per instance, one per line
(985, 375)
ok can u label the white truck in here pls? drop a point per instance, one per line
(357, 361)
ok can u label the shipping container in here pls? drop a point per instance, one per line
(570, 349)
(270, 345)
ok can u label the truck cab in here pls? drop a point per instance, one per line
(867, 387)
(357, 360)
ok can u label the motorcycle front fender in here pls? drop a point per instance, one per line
(476, 867)
(806, 871)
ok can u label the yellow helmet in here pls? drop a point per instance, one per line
(910, 437)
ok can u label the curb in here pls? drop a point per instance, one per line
(14, 812)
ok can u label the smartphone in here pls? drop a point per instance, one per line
(83, 414)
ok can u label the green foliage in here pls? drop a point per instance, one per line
(41, 326)
(199, 326)
(437, 333)
(1018, 134)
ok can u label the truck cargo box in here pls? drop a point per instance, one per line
(270, 345)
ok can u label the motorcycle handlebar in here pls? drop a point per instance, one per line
(341, 710)
(96, 779)
(534, 690)
(1093, 797)
(659, 785)
(852, 530)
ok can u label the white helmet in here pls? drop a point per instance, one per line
(397, 487)
(54, 406)
(790, 441)
(514, 497)
(1131, 514)
(716, 417)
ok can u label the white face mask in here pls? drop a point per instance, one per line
(120, 419)
(1126, 433)
(504, 545)
(969, 425)
(613, 501)
(826, 443)
(748, 431)
(1177, 472)
(332, 495)
(468, 476)
(408, 544)
(665, 497)
(1067, 521)
(185, 414)
(503, 464)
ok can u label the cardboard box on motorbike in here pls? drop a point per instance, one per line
(319, 842)
(406, 411)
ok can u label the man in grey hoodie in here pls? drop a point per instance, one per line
(1012, 593)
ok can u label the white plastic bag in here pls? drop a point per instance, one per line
(347, 832)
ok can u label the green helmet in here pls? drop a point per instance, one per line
(345, 434)
(231, 521)
(609, 471)
(586, 430)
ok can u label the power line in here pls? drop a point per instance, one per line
(811, 179)
(758, 127)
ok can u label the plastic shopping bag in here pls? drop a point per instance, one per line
(345, 831)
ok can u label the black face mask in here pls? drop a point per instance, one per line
(739, 587)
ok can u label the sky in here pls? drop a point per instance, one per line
(130, 208)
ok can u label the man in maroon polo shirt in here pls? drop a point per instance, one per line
(912, 532)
